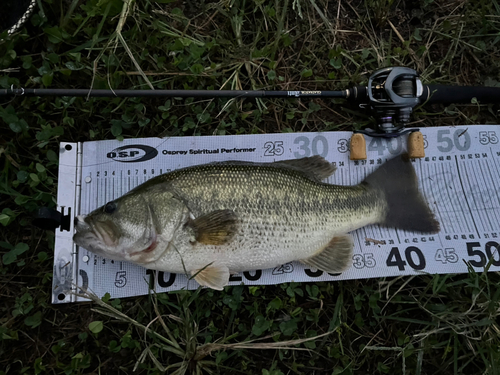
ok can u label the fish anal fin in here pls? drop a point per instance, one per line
(315, 167)
(215, 228)
(212, 276)
(336, 257)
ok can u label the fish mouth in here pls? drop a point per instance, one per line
(81, 224)
(84, 232)
(104, 232)
(89, 240)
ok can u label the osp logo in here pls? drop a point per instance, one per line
(132, 153)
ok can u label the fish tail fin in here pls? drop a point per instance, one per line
(407, 208)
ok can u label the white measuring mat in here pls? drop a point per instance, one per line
(459, 177)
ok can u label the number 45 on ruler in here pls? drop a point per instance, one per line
(446, 255)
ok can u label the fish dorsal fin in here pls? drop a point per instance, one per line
(335, 257)
(315, 167)
(212, 276)
(215, 228)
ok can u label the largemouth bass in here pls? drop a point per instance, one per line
(212, 220)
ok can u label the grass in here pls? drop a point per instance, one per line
(446, 324)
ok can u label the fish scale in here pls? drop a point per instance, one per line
(267, 200)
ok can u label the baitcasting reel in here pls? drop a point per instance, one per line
(390, 96)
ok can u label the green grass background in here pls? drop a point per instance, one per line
(440, 324)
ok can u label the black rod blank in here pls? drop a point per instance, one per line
(432, 93)
(174, 93)
(460, 94)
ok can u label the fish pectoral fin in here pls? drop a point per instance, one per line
(212, 276)
(315, 167)
(215, 228)
(335, 257)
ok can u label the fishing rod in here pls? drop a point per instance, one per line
(174, 93)
(390, 96)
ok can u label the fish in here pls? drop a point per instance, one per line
(213, 220)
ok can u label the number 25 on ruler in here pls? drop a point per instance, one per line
(274, 148)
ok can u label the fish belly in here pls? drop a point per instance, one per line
(261, 243)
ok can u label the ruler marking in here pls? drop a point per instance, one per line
(444, 210)
(446, 186)
(466, 215)
(493, 186)
(481, 210)
(465, 195)
(467, 167)
(487, 209)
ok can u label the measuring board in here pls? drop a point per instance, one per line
(459, 177)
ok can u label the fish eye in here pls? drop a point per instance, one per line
(110, 207)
